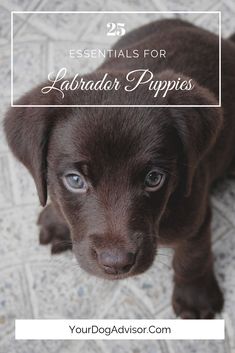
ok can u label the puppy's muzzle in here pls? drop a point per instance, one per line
(115, 260)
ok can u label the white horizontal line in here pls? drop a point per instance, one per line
(114, 106)
(42, 12)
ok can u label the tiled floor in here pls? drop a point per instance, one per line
(32, 283)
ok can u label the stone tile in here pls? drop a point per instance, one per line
(209, 22)
(29, 63)
(127, 305)
(19, 5)
(220, 225)
(225, 193)
(13, 299)
(24, 189)
(25, 346)
(156, 284)
(49, 281)
(29, 33)
(197, 346)
(91, 347)
(5, 71)
(72, 5)
(133, 346)
(5, 25)
(5, 103)
(39, 346)
(3, 143)
(60, 26)
(224, 265)
(62, 346)
(6, 198)
(181, 5)
(227, 9)
(19, 234)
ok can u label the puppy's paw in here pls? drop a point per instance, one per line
(198, 300)
(53, 231)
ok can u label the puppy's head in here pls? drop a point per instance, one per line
(113, 172)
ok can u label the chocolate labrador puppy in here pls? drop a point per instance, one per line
(123, 181)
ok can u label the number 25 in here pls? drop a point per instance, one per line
(116, 29)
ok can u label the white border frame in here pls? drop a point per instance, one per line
(114, 105)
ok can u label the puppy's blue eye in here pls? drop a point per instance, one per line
(154, 180)
(75, 182)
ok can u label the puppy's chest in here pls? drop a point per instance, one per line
(174, 227)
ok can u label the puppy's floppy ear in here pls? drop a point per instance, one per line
(197, 128)
(27, 130)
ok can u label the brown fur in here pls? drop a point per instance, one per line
(117, 221)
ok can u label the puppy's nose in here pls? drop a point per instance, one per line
(114, 261)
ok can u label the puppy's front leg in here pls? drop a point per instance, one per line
(196, 292)
(54, 230)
